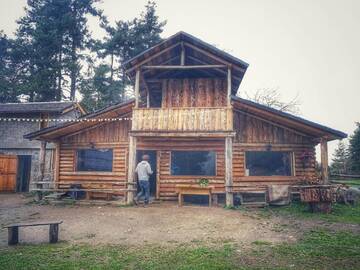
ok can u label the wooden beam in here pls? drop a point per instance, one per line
(152, 57)
(324, 161)
(147, 90)
(182, 57)
(217, 69)
(57, 164)
(131, 168)
(137, 88)
(212, 56)
(184, 67)
(229, 86)
(228, 172)
(158, 159)
(161, 63)
(42, 156)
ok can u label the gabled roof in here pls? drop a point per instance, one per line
(36, 107)
(54, 132)
(297, 123)
(197, 52)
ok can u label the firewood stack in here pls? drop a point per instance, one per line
(318, 197)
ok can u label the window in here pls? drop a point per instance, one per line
(94, 160)
(268, 163)
(193, 163)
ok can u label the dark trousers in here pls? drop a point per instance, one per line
(144, 191)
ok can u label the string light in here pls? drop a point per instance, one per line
(3, 119)
(164, 116)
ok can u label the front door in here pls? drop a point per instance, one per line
(152, 161)
(23, 173)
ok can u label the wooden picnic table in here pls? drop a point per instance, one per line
(193, 190)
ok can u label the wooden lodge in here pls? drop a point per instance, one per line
(187, 117)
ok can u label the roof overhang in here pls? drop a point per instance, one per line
(53, 133)
(196, 53)
(296, 123)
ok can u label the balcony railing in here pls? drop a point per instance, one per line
(194, 119)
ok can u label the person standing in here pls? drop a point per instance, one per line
(143, 171)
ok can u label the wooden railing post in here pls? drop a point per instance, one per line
(228, 172)
(324, 161)
(137, 88)
(131, 169)
(229, 86)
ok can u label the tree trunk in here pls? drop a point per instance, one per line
(58, 93)
(73, 71)
(112, 68)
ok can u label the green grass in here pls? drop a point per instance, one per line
(350, 182)
(317, 250)
(340, 212)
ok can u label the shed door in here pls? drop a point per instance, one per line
(8, 168)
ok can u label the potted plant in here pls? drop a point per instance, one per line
(203, 182)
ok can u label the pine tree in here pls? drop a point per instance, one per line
(53, 35)
(340, 160)
(8, 90)
(354, 150)
(122, 42)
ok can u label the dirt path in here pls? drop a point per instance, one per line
(161, 224)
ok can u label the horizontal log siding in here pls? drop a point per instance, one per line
(112, 135)
(254, 134)
(168, 181)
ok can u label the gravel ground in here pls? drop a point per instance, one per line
(163, 224)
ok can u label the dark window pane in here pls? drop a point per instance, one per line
(268, 163)
(193, 163)
(94, 160)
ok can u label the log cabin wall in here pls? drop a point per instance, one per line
(194, 92)
(254, 134)
(113, 136)
(166, 182)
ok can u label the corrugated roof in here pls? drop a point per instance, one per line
(336, 133)
(86, 116)
(35, 107)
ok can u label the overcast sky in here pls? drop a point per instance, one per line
(307, 47)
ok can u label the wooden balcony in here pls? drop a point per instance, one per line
(183, 120)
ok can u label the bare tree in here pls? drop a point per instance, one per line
(271, 97)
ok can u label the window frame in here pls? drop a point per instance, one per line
(76, 159)
(192, 175)
(292, 163)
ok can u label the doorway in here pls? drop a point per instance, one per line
(23, 173)
(152, 161)
(8, 168)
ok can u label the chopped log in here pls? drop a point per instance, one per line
(316, 194)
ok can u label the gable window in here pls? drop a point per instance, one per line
(193, 163)
(96, 160)
(268, 163)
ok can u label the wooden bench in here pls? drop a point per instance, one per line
(193, 190)
(13, 231)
